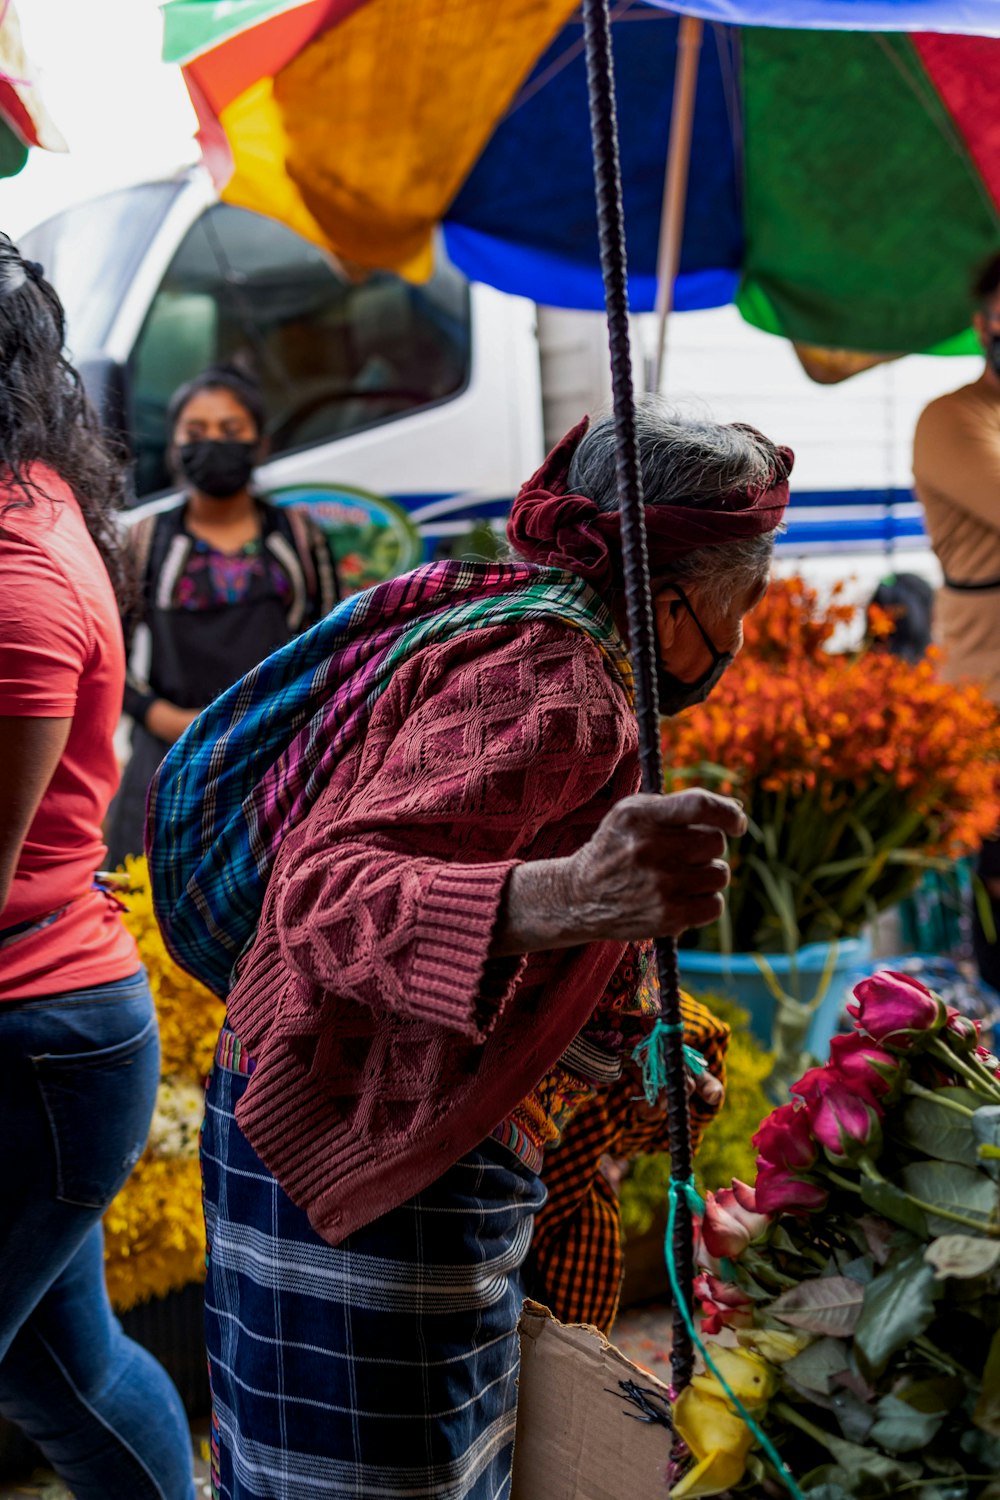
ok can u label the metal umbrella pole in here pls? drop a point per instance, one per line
(642, 640)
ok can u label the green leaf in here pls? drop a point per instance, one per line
(987, 1412)
(814, 1368)
(936, 1395)
(962, 1190)
(892, 1203)
(900, 1428)
(782, 1240)
(962, 1256)
(986, 1133)
(936, 1131)
(982, 1447)
(863, 1463)
(825, 1304)
(781, 899)
(898, 1306)
(856, 1417)
(876, 1237)
(827, 1482)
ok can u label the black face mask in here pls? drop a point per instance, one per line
(218, 469)
(674, 693)
(993, 354)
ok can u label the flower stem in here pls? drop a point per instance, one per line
(942, 1360)
(979, 1225)
(842, 1182)
(869, 1170)
(796, 1419)
(918, 1091)
(917, 1484)
(977, 1079)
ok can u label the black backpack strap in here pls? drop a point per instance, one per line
(304, 552)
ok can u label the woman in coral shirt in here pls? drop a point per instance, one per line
(79, 1051)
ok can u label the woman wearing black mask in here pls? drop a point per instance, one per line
(227, 579)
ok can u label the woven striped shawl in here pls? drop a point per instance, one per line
(250, 767)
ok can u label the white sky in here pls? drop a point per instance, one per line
(124, 113)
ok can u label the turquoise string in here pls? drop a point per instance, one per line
(696, 1063)
(696, 1206)
(649, 1056)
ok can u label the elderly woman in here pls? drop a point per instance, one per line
(416, 831)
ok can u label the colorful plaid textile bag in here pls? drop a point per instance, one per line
(250, 767)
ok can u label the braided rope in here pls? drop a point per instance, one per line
(611, 229)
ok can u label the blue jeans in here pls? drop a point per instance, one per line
(78, 1079)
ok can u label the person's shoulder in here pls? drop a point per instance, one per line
(167, 512)
(957, 411)
(516, 664)
(966, 398)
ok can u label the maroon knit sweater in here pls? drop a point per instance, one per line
(387, 1043)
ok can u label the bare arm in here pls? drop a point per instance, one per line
(167, 721)
(655, 867)
(29, 753)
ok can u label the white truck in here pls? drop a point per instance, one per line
(406, 416)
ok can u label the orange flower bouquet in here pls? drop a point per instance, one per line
(857, 771)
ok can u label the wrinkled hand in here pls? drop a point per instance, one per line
(708, 1088)
(655, 867)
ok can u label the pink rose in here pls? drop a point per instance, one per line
(864, 1066)
(782, 1192)
(731, 1222)
(845, 1122)
(897, 1011)
(723, 1305)
(961, 1030)
(784, 1140)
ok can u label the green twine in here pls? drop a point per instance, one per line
(696, 1064)
(650, 1056)
(696, 1206)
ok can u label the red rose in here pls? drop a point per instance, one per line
(784, 1140)
(845, 1122)
(865, 1066)
(728, 1227)
(782, 1192)
(961, 1030)
(723, 1305)
(897, 1011)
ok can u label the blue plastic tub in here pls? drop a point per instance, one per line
(738, 976)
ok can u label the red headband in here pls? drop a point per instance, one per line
(555, 529)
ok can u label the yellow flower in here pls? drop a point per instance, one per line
(773, 1344)
(154, 1235)
(717, 1437)
(749, 1378)
(719, 1441)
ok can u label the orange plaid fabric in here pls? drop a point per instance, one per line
(576, 1263)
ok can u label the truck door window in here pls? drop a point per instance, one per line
(333, 355)
(91, 253)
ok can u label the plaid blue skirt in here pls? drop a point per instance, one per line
(385, 1369)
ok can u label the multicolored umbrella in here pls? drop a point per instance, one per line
(24, 120)
(844, 168)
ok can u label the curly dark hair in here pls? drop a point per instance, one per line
(46, 418)
(986, 282)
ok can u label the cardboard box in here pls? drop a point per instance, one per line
(575, 1437)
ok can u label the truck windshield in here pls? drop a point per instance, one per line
(91, 252)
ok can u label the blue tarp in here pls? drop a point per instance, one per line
(974, 17)
(536, 173)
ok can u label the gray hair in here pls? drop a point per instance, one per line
(685, 460)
